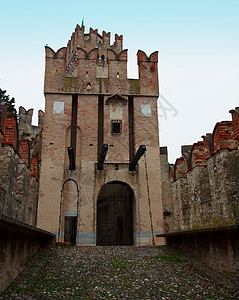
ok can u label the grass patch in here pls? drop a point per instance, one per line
(170, 258)
(231, 274)
(118, 263)
(170, 255)
(44, 255)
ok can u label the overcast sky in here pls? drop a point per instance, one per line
(197, 40)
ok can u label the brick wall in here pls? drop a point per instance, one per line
(10, 136)
(91, 65)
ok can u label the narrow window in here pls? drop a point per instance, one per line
(102, 60)
(74, 125)
(100, 123)
(116, 127)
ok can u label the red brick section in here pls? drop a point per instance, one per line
(181, 167)
(198, 154)
(235, 123)
(207, 143)
(24, 150)
(118, 41)
(148, 70)
(11, 131)
(34, 167)
(223, 137)
(3, 115)
(106, 37)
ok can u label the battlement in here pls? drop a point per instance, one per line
(89, 41)
(91, 64)
(25, 121)
(224, 137)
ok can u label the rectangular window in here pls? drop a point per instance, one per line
(116, 127)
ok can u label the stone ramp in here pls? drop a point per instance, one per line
(118, 273)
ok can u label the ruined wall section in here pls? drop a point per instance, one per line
(204, 182)
(19, 168)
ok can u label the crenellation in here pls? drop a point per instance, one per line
(3, 116)
(94, 54)
(222, 137)
(25, 121)
(197, 155)
(235, 122)
(118, 43)
(106, 38)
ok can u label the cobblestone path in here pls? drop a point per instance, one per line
(118, 273)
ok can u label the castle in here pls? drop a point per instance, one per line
(94, 174)
(92, 110)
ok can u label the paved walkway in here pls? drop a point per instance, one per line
(118, 273)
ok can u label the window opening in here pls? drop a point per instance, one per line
(102, 60)
(116, 127)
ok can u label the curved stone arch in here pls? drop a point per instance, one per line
(123, 55)
(92, 55)
(61, 53)
(82, 54)
(112, 55)
(115, 214)
(62, 224)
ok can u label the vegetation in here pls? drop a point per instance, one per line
(10, 102)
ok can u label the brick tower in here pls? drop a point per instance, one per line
(95, 192)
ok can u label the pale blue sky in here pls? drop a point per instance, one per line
(198, 42)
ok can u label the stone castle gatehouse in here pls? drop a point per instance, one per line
(97, 126)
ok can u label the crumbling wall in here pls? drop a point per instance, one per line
(201, 214)
(204, 184)
(19, 166)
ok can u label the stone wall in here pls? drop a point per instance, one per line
(19, 166)
(201, 192)
(19, 242)
(20, 153)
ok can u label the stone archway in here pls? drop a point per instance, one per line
(115, 214)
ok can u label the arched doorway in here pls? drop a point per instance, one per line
(115, 214)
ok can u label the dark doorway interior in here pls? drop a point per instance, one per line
(70, 230)
(115, 215)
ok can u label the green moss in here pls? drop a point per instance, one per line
(70, 83)
(134, 86)
(100, 85)
(104, 82)
(214, 221)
